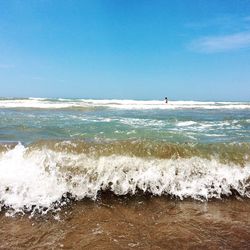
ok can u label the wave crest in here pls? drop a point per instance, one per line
(33, 179)
(43, 103)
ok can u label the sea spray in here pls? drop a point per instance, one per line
(36, 179)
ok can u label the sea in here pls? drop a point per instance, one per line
(123, 174)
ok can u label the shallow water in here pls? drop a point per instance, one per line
(141, 222)
(29, 120)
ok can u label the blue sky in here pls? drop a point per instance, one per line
(126, 49)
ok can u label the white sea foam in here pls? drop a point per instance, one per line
(201, 126)
(156, 104)
(34, 103)
(118, 104)
(136, 122)
(38, 178)
(186, 123)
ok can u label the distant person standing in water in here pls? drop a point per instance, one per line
(166, 100)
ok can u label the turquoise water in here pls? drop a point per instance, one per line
(196, 125)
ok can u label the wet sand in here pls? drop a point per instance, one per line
(139, 222)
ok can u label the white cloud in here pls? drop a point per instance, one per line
(213, 44)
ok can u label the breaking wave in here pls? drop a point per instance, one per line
(43, 103)
(38, 176)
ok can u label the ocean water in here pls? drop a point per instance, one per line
(123, 174)
(56, 150)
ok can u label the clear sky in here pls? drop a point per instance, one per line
(126, 49)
